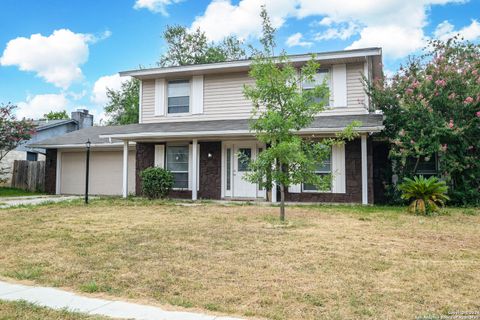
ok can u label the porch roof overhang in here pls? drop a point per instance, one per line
(111, 136)
(236, 128)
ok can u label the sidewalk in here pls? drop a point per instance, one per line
(8, 202)
(60, 299)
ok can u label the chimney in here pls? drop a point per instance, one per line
(83, 119)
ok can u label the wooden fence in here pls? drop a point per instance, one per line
(29, 175)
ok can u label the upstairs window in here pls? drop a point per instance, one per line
(322, 75)
(178, 96)
(323, 169)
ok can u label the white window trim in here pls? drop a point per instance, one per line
(140, 102)
(179, 114)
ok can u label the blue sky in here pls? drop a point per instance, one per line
(58, 55)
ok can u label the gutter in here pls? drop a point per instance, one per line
(344, 54)
(78, 145)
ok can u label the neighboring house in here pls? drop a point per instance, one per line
(45, 129)
(194, 122)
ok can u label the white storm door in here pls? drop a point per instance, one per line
(241, 187)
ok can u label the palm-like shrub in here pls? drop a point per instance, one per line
(427, 194)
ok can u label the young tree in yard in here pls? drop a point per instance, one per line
(123, 104)
(281, 110)
(432, 107)
(12, 132)
(192, 47)
(56, 115)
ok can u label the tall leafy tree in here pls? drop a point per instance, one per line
(192, 47)
(280, 110)
(12, 132)
(432, 106)
(56, 115)
(123, 104)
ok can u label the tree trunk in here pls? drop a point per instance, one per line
(282, 202)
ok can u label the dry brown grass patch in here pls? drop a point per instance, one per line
(327, 262)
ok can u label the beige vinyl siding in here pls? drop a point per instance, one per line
(148, 100)
(223, 95)
(355, 92)
(222, 99)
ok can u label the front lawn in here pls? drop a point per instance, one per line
(13, 192)
(334, 262)
(27, 311)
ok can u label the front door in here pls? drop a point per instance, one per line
(243, 154)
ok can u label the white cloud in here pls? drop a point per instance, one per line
(156, 6)
(56, 58)
(446, 30)
(99, 92)
(36, 106)
(402, 44)
(325, 21)
(296, 40)
(369, 19)
(342, 32)
(222, 18)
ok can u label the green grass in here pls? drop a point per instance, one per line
(13, 192)
(10, 310)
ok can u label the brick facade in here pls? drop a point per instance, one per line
(51, 171)
(145, 157)
(353, 176)
(210, 174)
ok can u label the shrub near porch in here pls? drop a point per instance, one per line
(326, 262)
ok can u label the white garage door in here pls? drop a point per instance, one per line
(105, 172)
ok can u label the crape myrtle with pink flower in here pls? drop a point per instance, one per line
(13, 132)
(432, 108)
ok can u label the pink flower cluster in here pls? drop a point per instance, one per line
(468, 100)
(441, 83)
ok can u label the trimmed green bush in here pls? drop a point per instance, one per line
(156, 182)
(427, 194)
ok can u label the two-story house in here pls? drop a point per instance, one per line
(194, 122)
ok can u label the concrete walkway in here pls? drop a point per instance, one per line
(60, 299)
(8, 202)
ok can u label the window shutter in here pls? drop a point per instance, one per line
(338, 168)
(159, 156)
(296, 188)
(160, 97)
(197, 94)
(190, 163)
(339, 85)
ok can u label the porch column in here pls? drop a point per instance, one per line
(125, 169)
(364, 170)
(274, 192)
(194, 168)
